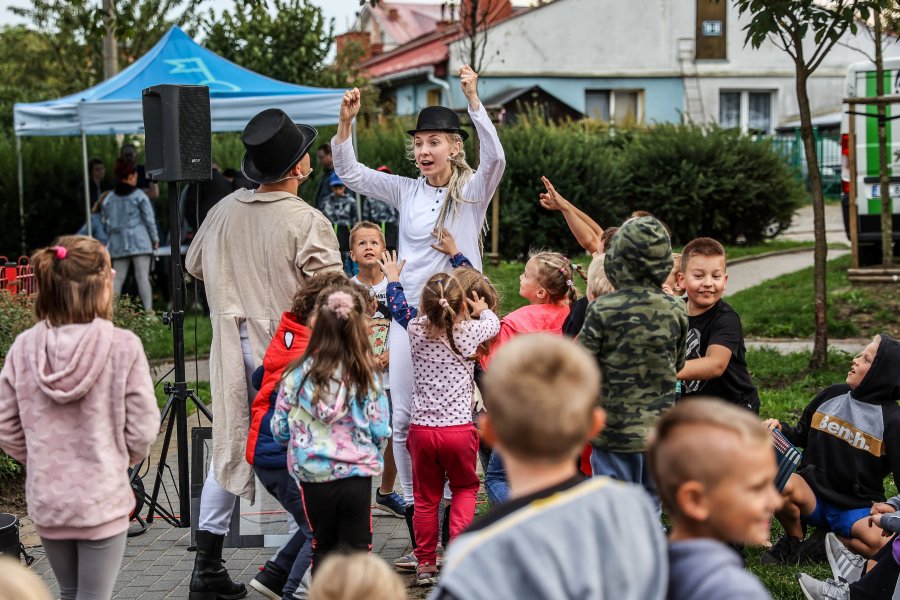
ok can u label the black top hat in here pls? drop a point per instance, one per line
(274, 144)
(438, 118)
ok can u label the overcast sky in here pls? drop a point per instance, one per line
(342, 11)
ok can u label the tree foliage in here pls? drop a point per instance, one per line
(788, 24)
(285, 39)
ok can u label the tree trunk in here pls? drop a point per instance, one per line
(887, 253)
(110, 47)
(820, 344)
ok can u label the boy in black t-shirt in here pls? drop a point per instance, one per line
(715, 364)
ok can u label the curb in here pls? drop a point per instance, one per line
(774, 253)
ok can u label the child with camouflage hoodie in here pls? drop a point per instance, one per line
(638, 335)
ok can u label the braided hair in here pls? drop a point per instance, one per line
(443, 300)
(555, 273)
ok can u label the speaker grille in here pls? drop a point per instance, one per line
(177, 127)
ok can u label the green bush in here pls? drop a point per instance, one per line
(701, 181)
(710, 182)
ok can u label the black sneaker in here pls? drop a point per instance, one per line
(786, 551)
(270, 581)
(812, 550)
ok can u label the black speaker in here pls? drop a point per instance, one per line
(178, 133)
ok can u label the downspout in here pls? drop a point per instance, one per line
(439, 82)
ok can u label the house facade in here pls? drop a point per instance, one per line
(641, 61)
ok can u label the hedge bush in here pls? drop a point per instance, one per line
(701, 181)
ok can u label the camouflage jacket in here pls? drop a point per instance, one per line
(340, 210)
(379, 211)
(637, 334)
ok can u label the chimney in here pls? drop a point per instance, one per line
(392, 14)
(487, 12)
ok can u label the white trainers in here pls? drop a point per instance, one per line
(845, 565)
(407, 563)
(814, 589)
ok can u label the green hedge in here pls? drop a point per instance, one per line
(701, 181)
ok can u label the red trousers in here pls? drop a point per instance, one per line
(439, 452)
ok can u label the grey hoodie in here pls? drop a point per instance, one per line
(77, 407)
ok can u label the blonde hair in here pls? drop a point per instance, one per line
(356, 576)
(540, 393)
(20, 583)
(70, 277)
(460, 174)
(597, 282)
(555, 273)
(366, 225)
(472, 280)
(674, 459)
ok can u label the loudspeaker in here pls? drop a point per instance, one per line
(178, 132)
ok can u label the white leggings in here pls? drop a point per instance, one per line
(217, 503)
(401, 400)
(86, 569)
(141, 264)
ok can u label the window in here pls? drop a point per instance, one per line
(624, 107)
(434, 97)
(749, 111)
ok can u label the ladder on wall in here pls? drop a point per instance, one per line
(693, 96)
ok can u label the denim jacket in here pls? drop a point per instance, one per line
(130, 224)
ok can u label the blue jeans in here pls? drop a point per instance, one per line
(625, 466)
(296, 555)
(495, 483)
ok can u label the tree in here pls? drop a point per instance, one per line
(284, 39)
(73, 31)
(787, 24)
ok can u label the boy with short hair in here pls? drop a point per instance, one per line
(366, 247)
(714, 468)
(558, 536)
(637, 335)
(715, 364)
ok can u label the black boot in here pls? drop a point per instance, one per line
(410, 510)
(210, 580)
(445, 527)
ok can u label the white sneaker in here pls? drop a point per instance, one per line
(814, 589)
(845, 565)
(407, 563)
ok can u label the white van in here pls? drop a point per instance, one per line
(861, 82)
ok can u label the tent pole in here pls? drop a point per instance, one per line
(87, 185)
(24, 247)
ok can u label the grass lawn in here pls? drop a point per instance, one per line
(783, 307)
(197, 335)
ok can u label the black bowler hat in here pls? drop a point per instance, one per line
(274, 144)
(438, 118)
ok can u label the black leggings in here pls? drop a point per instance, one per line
(879, 581)
(340, 515)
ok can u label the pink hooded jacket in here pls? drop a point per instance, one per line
(77, 407)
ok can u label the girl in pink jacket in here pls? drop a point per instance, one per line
(77, 408)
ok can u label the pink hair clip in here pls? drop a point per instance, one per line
(570, 283)
(443, 302)
(340, 303)
(61, 252)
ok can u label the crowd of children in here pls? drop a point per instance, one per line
(642, 385)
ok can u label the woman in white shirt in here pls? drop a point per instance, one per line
(448, 193)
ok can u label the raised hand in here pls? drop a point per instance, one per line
(477, 305)
(468, 79)
(350, 104)
(446, 244)
(390, 267)
(551, 199)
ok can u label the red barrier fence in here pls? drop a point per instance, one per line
(16, 277)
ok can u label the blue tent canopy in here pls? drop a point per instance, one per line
(236, 94)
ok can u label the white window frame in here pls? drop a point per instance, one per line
(639, 116)
(744, 117)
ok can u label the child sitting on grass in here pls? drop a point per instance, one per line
(714, 469)
(850, 435)
(559, 536)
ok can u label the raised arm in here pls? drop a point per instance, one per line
(491, 159)
(586, 231)
(356, 176)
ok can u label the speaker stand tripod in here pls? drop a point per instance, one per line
(174, 414)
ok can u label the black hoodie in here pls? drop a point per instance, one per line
(851, 438)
